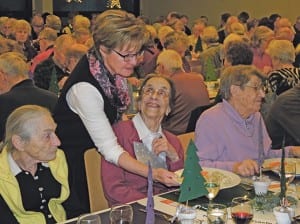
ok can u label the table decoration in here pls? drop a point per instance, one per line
(280, 201)
(150, 202)
(283, 215)
(193, 182)
(261, 185)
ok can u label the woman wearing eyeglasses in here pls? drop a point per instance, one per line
(96, 95)
(144, 139)
(232, 135)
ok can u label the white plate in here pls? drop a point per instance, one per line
(229, 179)
(272, 163)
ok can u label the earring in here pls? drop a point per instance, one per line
(167, 112)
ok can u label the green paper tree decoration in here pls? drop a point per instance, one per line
(210, 71)
(193, 182)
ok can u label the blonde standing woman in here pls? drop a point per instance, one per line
(96, 96)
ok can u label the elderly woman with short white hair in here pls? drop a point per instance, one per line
(34, 173)
(232, 135)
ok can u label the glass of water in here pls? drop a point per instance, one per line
(121, 214)
(89, 219)
(216, 213)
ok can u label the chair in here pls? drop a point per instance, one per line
(195, 114)
(92, 160)
(185, 140)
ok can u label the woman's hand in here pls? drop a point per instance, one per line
(162, 145)
(247, 167)
(166, 177)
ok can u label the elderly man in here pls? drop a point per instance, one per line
(50, 72)
(46, 41)
(232, 135)
(37, 24)
(195, 40)
(16, 89)
(179, 42)
(191, 91)
(284, 117)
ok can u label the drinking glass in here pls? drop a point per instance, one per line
(216, 213)
(241, 210)
(186, 215)
(89, 219)
(212, 184)
(121, 214)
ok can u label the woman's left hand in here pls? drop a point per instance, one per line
(162, 145)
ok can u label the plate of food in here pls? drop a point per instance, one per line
(274, 164)
(228, 179)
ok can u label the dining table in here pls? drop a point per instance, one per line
(165, 204)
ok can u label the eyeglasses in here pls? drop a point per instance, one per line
(256, 87)
(128, 57)
(150, 91)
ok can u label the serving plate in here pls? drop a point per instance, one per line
(270, 164)
(229, 179)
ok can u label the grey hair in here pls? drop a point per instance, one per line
(13, 64)
(20, 123)
(283, 50)
(237, 75)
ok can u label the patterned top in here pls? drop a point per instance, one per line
(283, 79)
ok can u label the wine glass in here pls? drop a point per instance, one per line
(241, 210)
(121, 214)
(89, 219)
(212, 184)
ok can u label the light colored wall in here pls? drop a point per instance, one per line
(41, 6)
(214, 8)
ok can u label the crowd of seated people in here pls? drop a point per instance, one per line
(80, 73)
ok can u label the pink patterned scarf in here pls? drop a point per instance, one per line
(114, 86)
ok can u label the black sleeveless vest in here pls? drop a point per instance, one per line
(70, 129)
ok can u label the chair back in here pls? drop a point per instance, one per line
(185, 140)
(195, 114)
(92, 160)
